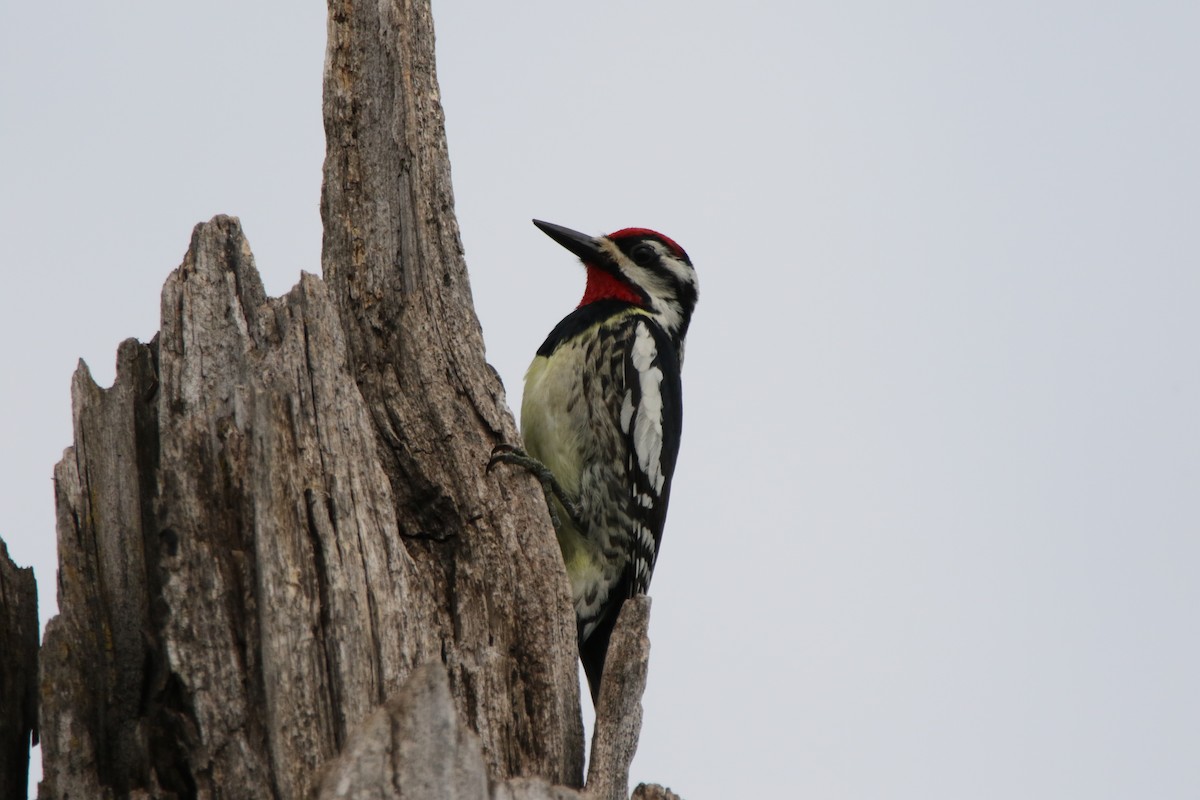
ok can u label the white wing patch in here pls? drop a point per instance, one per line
(626, 411)
(647, 421)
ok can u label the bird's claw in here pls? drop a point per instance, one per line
(501, 454)
(505, 453)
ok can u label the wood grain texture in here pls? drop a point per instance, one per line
(236, 590)
(393, 257)
(280, 554)
(200, 641)
(414, 743)
(417, 746)
(619, 707)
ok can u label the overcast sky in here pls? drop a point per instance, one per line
(935, 530)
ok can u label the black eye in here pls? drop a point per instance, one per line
(643, 254)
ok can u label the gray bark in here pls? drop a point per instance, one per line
(415, 742)
(393, 259)
(278, 518)
(18, 673)
(619, 707)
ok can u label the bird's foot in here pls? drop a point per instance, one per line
(551, 488)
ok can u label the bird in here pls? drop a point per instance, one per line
(601, 418)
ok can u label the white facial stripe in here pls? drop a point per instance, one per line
(682, 272)
(611, 250)
(662, 289)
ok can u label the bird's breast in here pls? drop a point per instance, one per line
(553, 413)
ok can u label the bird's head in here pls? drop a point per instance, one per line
(638, 266)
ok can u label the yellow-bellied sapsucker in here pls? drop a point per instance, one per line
(601, 420)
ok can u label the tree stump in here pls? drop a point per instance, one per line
(283, 568)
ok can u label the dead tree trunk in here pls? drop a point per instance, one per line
(278, 513)
(18, 673)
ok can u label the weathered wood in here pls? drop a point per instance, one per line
(619, 708)
(417, 744)
(497, 594)
(18, 673)
(93, 660)
(414, 742)
(279, 511)
(235, 592)
(214, 630)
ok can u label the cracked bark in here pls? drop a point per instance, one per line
(277, 518)
(415, 742)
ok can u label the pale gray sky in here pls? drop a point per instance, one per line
(936, 523)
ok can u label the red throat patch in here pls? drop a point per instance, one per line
(602, 285)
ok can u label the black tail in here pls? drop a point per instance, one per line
(593, 651)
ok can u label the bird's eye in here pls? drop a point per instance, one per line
(643, 254)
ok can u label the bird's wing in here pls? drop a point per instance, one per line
(651, 419)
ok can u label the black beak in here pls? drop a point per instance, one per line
(582, 245)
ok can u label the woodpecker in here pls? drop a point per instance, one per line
(601, 419)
